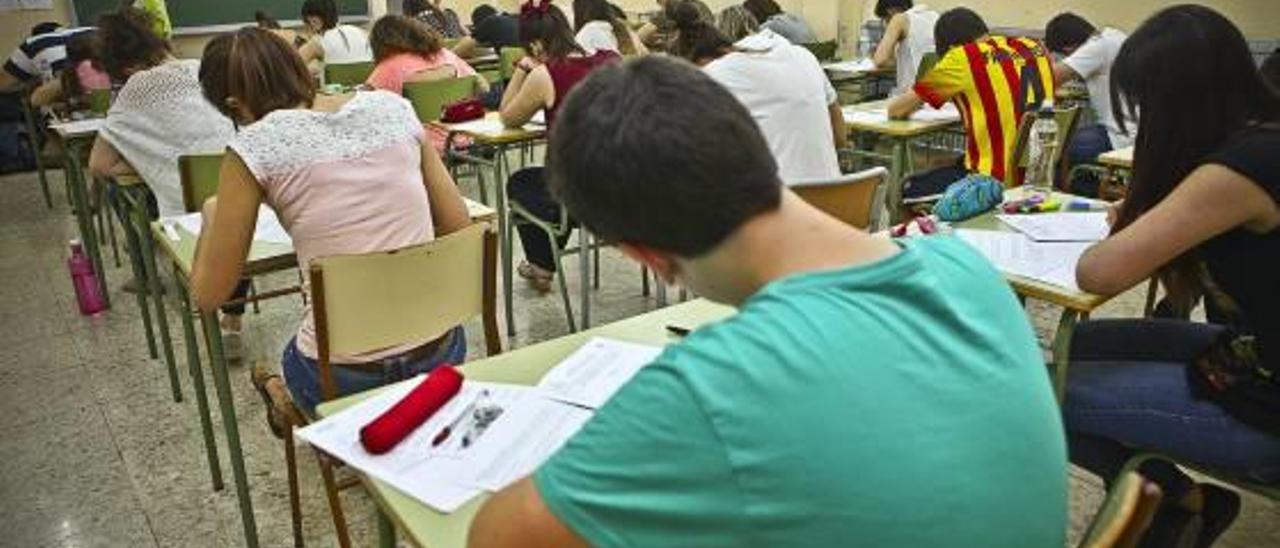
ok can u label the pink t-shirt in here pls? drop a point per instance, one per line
(345, 182)
(92, 78)
(393, 71)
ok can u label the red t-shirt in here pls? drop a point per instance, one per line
(567, 72)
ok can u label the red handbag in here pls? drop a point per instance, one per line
(462, 111)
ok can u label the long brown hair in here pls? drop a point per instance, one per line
(1188, 77)
(128, 42)
(396, 34)
(543, 23)
(586, 11)
(262, 71)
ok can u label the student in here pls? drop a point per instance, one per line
(658, 31)
(804, 419)
(789, 25)
(783, 88)
(556, 64)
(1088, 54)
(598, 28)
(443, 20)
(346, 175)
(406, 49)
(736, 23)
(265, 21)
(908, 36)
(40, 56)
(331, 42)
(1270, 71)
(1203, 211)
(985, 75)
(490, 28)
(79, 77)
(158, 115)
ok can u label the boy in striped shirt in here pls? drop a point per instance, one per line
(993, 80)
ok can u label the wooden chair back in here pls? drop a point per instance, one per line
(507, 58)
(848, 197)
(199, 175)
(347, 74)
(1067, 119)
(1125, 514)
(430, 96)
(363, 303)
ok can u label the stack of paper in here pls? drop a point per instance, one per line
(534, 424)
(858, 65)
(78, 127)
(1014, 253)
(1060, 227)
(268, 229)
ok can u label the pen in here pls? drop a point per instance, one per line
(448, 429)
(677, 330)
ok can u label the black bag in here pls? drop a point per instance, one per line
(1231, 372)
(16, 154)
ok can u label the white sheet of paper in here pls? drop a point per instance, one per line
(947, 113)
(857, 65)
(523, 438)
(434, 476)
(540, 118)
(1060, 227)
(79, 127)
(268, 228)
(488, 126)
(1014, 253)
(591, 375)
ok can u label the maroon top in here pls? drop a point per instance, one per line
(568, 71)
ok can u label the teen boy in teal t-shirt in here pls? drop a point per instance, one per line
(868, 392)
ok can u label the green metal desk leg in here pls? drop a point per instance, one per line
(197, 382)
(386, 530)
(34, 135)
(80, 202)
(142, 223)
(504, 231)
(897, 177)
(1062, 351)
(125, 203)
(222, 384)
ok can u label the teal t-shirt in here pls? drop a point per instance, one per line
(903, 403)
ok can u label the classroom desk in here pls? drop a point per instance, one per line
(1076, 305)
(263, 258)
(427, 527)
(1121, 158)
(501, 141)
(841, 78)
(900, 133)
(75, 136)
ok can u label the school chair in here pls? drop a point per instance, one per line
(368, 302)
(927, 61)
(1067, 118)
(507, 59)
(35, 134)
(848, 198)
(555, 231)
(1268, 491)
(347, 74)
(824, 51)
(1125, 514)
(100, 101)
(430, 95)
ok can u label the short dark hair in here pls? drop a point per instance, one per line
(883, 7)
(762, 9)
(413, 7)
(654, 152)
(695, 38)
(396, 34)
(482, 12)
(326, 10)
(129, 42)
(44, 28)
(1067, 31)
(551, 29)
(265, 20)
(955, 27)
(257, 67)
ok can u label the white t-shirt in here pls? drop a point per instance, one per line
(1092, 61)
(598, 36)
(345, 44)
(917, 42)
(788, 95)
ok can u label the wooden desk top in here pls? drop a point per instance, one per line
(894, 128)
(489, 131)
(527, 365)
(1121, 158)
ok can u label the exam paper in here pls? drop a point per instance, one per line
(1060, 227)
(523, 438)
(1014, 253)
(434, 476)
(491, 126)
(947, 113)
(858, 65)
(590, 376)
(79, 127)
(268, 228)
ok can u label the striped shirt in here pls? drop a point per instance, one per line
(41, 55)
(992, 81)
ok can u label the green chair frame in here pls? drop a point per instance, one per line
(1067, 119)
(430, 97)
(347, 74)
(1125, 514)
(507, 58)
(824, 51)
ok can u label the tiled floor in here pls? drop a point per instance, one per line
(96, 453)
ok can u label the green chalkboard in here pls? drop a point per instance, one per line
(192, 14)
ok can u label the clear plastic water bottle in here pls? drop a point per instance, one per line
(1042, 157)
(88, 293)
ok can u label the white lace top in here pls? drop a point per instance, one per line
(159, 115)
(344, 182)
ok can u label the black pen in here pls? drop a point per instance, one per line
(678, 331)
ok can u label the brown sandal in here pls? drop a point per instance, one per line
(266, 382)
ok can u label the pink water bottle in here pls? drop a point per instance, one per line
(88, 294)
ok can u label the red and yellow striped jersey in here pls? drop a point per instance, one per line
(986, 81)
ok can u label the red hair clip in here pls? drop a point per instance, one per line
(535, 6)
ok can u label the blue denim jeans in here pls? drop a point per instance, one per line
(1084, 148)
(302, 374)
(1128, 392)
